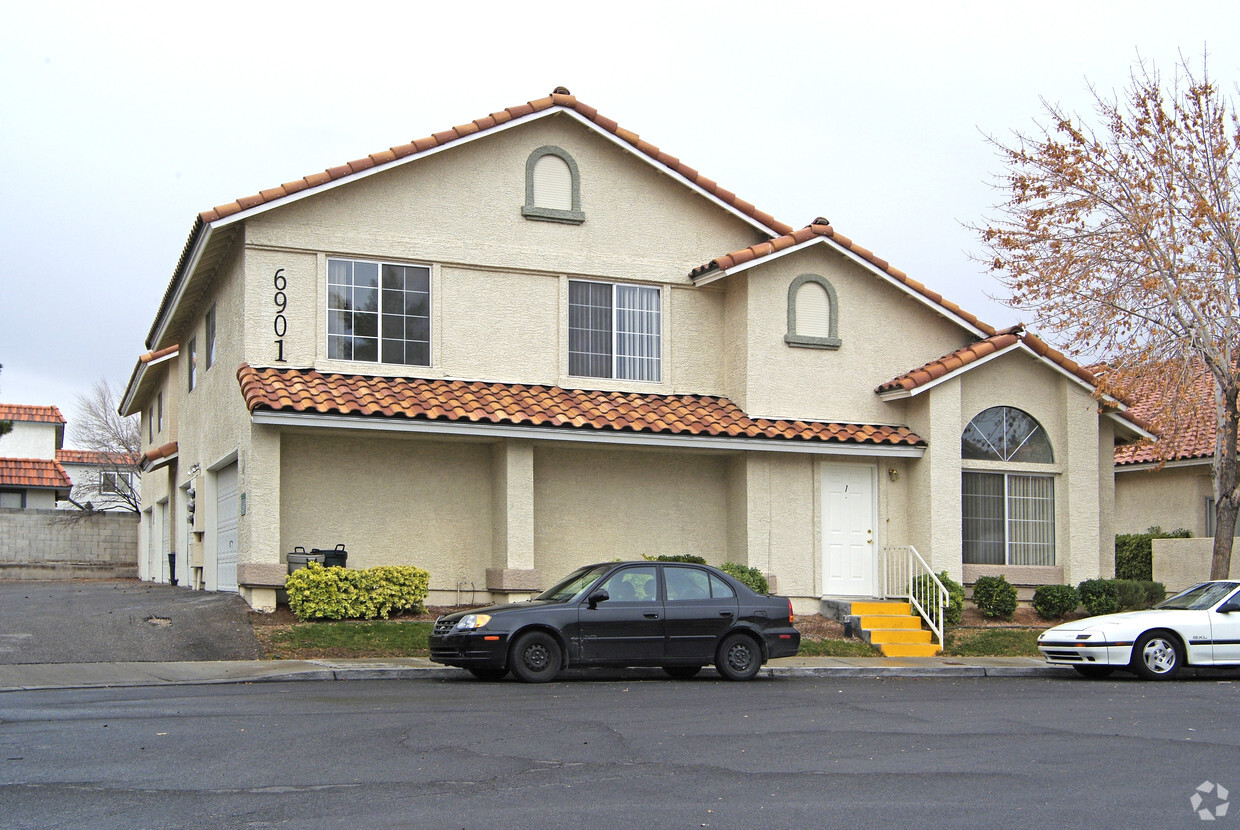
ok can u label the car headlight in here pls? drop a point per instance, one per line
(471, 622)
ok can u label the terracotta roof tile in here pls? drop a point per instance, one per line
(1193, 434)
(26, 412)
(163, 451)
(306, 390)
(94, 458)
(33, 472)
(744, 255)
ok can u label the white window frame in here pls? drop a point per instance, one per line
(192, 365)
(430, 316)
(115, 476)
(209, 349)
(616, 357)
(1008, 517)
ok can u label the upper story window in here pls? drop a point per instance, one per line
(614, 331)
(117, 482)
(209, 351)
(379, 312)
(813, 313)
(552, 187)
(1004, 433)
(159, 412)
(191, 367)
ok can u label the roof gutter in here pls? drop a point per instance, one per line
(314, 419)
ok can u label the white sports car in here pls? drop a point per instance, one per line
(1197, 627)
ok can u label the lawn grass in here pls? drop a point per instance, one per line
(836, 648)
(992, 642)
(352, 638)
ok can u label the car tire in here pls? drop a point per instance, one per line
(1094, 672)
(682, 672)
(489, 675)
(535, 657)
(1157, 655)
(739, 657)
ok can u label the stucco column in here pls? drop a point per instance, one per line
(259, 569)
(934, 479)
(1079, 553)
(512, 519)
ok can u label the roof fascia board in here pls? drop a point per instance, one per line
(1152, 466)
(164, 461)
(125, 409)
(1128, 425)
(1108, 399)
(507, 125)
(592, 436)
(867, 265)
(200, 245)
(897, 394)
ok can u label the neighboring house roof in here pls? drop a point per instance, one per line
(1193, 439)
(36, 473)
(309, 391)
(820, 230)
(94, 458)
(24, 412)
(158, 453)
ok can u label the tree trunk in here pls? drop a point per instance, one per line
(1226, 487)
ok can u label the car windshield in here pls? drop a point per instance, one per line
(1199, 597)
(573, 584)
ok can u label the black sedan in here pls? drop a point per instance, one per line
(677, 616)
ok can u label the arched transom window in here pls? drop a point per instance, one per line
(1004, 433)
(552, 187)
(813, 313)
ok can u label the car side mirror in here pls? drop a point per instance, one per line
(597, 597)
(1229, 606)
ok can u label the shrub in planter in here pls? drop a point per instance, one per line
(1134, 552)
(995, 596)
(1053, 601)
(318, 593)
(752, 577)
(955, 595)
(1137, 595)
(1099, 596)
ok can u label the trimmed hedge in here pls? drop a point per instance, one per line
(1099, 596)
(1134, 552)
(318, 593)
(752, 577)
(1109, 596)
(995, 596)
(1054, 601)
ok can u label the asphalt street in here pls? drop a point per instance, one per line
(617, 751)
(124, 620)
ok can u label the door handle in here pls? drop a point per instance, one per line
(651, 615)
(726, 614)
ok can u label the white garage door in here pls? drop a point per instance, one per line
(226, 529)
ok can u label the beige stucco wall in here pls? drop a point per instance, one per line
(1170, 498)
(1182, 563)
(595, 505)
(29, 439)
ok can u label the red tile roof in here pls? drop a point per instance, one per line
(163, 451)
(561, 97)
(821, 228)
(40, 473)
(24, 412)
(306, 390)
(947, 364)
(1192, 435)
(164, 352)
(94, 458)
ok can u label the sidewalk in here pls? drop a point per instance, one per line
(33, 676)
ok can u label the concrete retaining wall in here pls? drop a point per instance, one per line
(1182, 563)
(61, 544)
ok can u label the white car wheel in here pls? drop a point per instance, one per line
(1157, 656)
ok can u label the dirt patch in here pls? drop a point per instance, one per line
(1025, 617)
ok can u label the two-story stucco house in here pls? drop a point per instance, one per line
(535, 340)
(31, 478)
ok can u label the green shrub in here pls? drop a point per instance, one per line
(1136, 595)
(318, 593)
(1053, 601)
(1099, 596)
(955, 595)
(691, 558)
(995, 596)
(1134, 552)
(752, 577)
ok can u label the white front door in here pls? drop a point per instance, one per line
(226, 528)
(849, 546)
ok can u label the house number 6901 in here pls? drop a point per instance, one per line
(280, 323)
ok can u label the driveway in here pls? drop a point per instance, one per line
(121, 620)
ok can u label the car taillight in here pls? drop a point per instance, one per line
(790, 611)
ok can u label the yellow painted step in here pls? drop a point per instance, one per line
(876, 621)
(909, 650)
(878, 606)
(881, 636)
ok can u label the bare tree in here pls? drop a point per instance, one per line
(1124, 239)
(116, 442)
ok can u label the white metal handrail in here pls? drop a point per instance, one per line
(907, 576)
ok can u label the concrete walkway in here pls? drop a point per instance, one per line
(29, 676)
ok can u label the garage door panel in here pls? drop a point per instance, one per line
(226, 529)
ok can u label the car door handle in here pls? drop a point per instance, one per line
(651, 615)
(726, 614)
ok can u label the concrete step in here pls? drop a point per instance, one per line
(881, 607)
(909, 649)
(888, 621)
(880, 636)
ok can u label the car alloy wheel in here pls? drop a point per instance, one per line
(1156, 656)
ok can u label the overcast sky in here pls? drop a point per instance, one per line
(120, 121)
